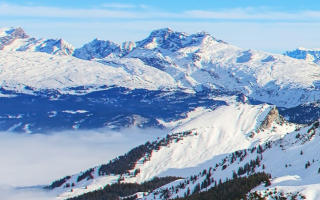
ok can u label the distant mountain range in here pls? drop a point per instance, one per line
(167, 65)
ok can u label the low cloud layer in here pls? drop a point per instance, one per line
(10, 193)
(39, 159)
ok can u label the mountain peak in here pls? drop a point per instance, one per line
(164, 32)
(13, 32)
(168, 39)
(97, 49)
(97, 40)
(15, 39)
(55, 46)
(164, 39)
(9, 35)
(19, 33)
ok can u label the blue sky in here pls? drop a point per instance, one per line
(178, 5)
(269, 25)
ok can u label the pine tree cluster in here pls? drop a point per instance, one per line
(115, 191)
(123, 164)
(234, 189)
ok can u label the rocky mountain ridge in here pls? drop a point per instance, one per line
(15, 39)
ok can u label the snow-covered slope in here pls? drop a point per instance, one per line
(15, 39)
(292, 161)
(202, 139)
(20, 71)
(286, 151)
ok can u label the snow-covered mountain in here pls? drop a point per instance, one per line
(38, 71)
(15, 39)
(221, 104)
(165, 62)
(98, 49)
(291, 160)
(195, 62)
(180, 150)
(255, 139)
(199, 61)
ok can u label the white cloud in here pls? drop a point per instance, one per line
(255, 28)
(109, 12)
(10, 193)
(132, 11)
(254, 14)
(9, 10)
(39, 159)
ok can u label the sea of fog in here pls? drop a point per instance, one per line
(38, 159)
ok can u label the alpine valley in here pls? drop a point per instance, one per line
(242, 124)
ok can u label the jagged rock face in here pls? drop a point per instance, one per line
(10, 35)
(170, 40)
(272, 117)
(56, 47)
(97, 49)
(15, 39)
(163, 40)
(18, 33)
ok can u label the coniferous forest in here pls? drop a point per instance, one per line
(115, 191)
(234, 189)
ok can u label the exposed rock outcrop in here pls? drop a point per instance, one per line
(272, 117)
